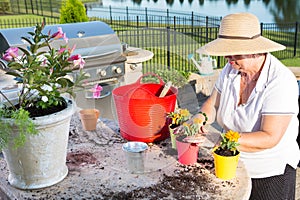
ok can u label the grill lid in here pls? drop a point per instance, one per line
(91, 38)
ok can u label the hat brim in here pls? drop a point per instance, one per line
(226, 47)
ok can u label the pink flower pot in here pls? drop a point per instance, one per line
(187, 152)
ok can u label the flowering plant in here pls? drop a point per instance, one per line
(193, 128)
(41, 72)
(229, 143)
(178, 117)
(190, 131)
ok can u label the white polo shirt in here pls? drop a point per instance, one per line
(276, 93)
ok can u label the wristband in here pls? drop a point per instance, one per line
(205, 117)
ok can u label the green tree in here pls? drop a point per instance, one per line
(73, 11)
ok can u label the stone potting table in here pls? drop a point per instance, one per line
(98, 170)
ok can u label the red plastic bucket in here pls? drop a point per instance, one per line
(141, 113)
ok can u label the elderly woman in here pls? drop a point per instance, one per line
(257, 96)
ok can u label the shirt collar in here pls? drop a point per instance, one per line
(263, 78)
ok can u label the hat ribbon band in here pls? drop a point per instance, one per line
(239, 37)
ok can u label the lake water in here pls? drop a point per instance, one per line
(267, 11)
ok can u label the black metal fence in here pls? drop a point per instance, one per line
(49, 8)
(171, 36)
(26, 22)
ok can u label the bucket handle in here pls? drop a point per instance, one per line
(138, 82)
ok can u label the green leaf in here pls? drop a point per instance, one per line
(27, 39)
(13, 73)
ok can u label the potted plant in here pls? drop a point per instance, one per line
(188, 141)
(175, 119)
(226, 155)
(178, 78)
(35, 126)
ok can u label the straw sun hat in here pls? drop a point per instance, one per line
(239, 34)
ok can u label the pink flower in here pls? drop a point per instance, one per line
(72, 50)
(65, 38)
(44, 62)
(11, 53)
(74, 57)
(77, 60)
(97, 91)
(61, 50)
(59, 34)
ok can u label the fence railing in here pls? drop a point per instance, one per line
(171, 36)
(48, 8)
(18, 23)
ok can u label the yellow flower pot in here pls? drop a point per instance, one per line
(225, 166)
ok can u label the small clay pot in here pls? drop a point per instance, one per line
(89, 118)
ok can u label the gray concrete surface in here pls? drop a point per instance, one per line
(102, 173)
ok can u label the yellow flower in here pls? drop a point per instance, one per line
(191, 129)
(175, 117)
(230, 141)
(179, 116)
(232, 136)
(197, 121)
(184, 112)
(186, 124)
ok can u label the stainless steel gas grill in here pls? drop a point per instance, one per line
(101, 49)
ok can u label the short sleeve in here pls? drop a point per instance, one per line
(220, 81)
(281, 95)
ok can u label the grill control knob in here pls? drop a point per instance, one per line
(102, 73)
(117, 70)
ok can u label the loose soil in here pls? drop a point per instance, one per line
(37, 112)
(225, 152)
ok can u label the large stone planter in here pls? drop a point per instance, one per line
(41, 162)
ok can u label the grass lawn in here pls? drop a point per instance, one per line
(17, 17)
(21, 17)
(291, 62)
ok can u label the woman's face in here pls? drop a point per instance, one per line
(242, 63)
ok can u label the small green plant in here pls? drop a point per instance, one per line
(15, 120)
(191, 129)
(178, 78)
(73, 11)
